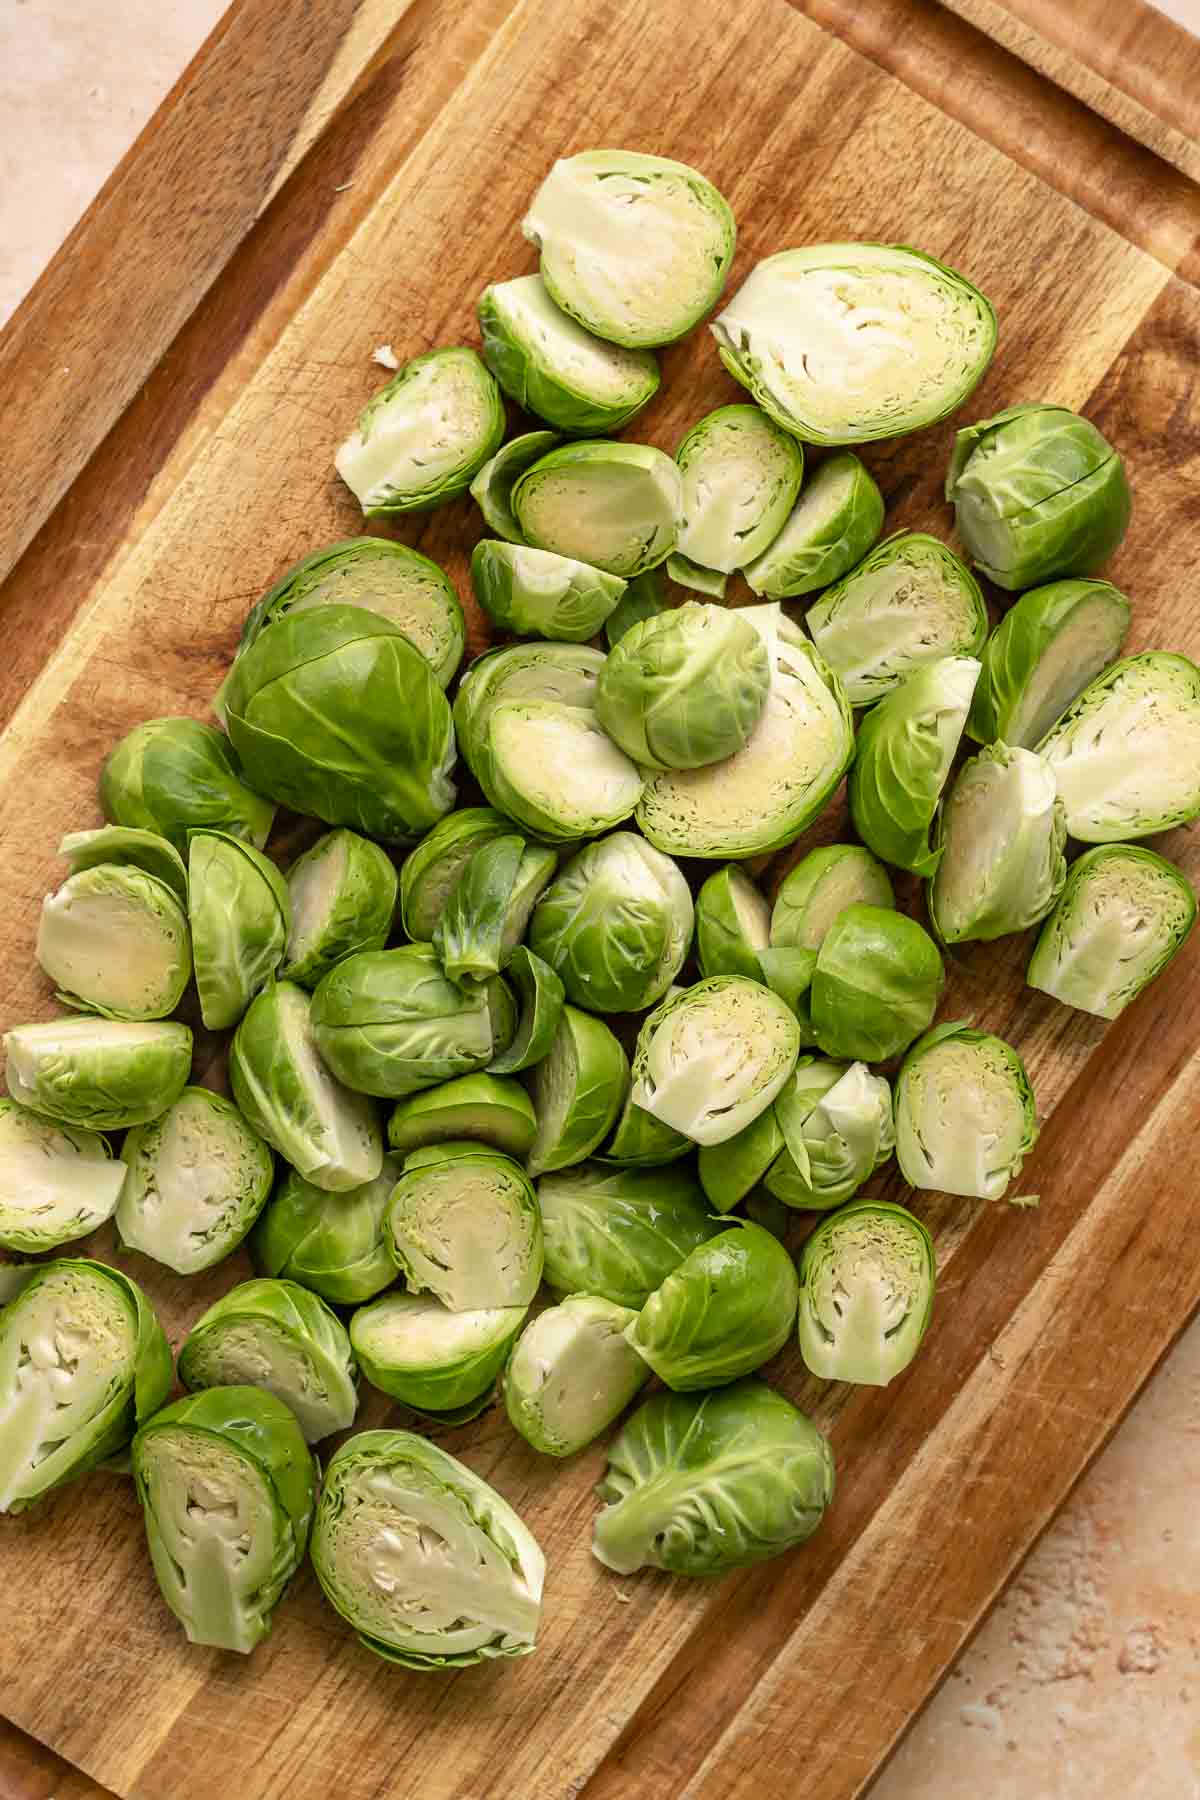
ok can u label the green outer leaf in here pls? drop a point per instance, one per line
(472, 441)
(876, 1308)
(494, 1109)
(837, 1124)
(696, 576)
(615, 924)
(966, 1116)
(639, 1140)
(643, 599)
(210, 1159)
(174, 775)
(999, 840)
(906, 745)
(469, 936)
(1022, 642)
(614, 505)
(822, 885)
(88, 1071)
(788, 971)
(358, 913)
(876, 986)
(430, 872)
(127, 847)
(618, 1233)
(558, 380)
(732, 924)
(539, 594)
(832, 526)
(541, 994)
(240, 915)
(341, 1250)
(578, 1089)
(492, 487)
(728, 1171)
(741, 474)
(726, 1310)
(572, 1374)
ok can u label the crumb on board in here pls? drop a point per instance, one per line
(385, 356)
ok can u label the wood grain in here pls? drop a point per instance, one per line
(797, 1676)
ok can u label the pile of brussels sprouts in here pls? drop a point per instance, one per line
(495, 1064)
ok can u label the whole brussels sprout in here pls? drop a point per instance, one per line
(966, 1118)
(1000, 843)
(571, 1374)
(197, 1179)
(342, 898)
(615, 925)
(616, 506)
(115, 941)
(103, 1074)
(430, 872)
(833, 524)
(1041, 656)
(867, 1279)
(539, 594)
(726, 1310)
(492, 487)
(732, 925)
(416, 1350)
(876, 985)
(424, 436)
(712, 1057)
(240, 914)
(741, 474)
(56, 1182)
(551, 366)
(836, 1123)
(906, 745)
(618, 1233)
(1123, 914)
(173, 776)
(342, 1251)
(578, 1089)
(686, 688)
(276, 1336)
(465, 1227)
(820, 887)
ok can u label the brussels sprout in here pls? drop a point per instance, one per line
(329, 1135)
(416, 1350)
(556, 771)
(867, 1277)
(430, 872)
(911, 603)
(83, 1361)
(765, 1210)
(966, 1118)
(1126, 756)
(342, 898)
(278, 1336)
(876, 985)
(423, 437)
(563, 674)
(1122, 916)
(833, 524)
(492, 1109)
(485, 917)
(767, 794)
(702, 1483)
(726, 1310)
(55, 1183)
(822, 885)
(228, 1488)
(695, 575)
(539, 594)
(1000, 842)
(115, 941)
(335, 714)
(492, 487)
(100, 1073)
(240, 915)
(741, 474)
(619, 1233)
(635, 247)
(615, 925)
(906, 745)
(197, 1179)
(843, 343)
(713, 1057)
(1037, 493)
(729, 1170)
(129, 848)
(426, 1561)
(837, 1125)
(466, 1228)
(15, 1278)
(173, 776)
(578, 1090)
(571, 1374)
(616, 506)
(340, 1249)
(788, 971)
(389, 1023)
(551, 366)
(639, 1140)
(643, 599)
(686, 688)
(732, 925)
(1041, 656)
(541, 995)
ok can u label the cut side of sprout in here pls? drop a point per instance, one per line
(55, 1183)
(557, 772)
(867, 1278)
(965, 1113)
(279, 1337)
(571, 1374)
(467, 1230)
(616, 506)
(413, 1348)
(1045, 651)
(198, 1177)
(492, 487)
(1122, 916)
(115, 941)
(1001, 838)
(425, 435)
(835, 521)
(741, 473)
(713, 1057)
(822, 885)
(549, 364)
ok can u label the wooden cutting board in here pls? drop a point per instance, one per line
(387, 153)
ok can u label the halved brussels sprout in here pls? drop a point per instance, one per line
(616, 506)
(867, 1279)
(198, 1177)
(430, 872)
(328, 1134)
(843, 343)
(541, 995)
(173, 776)
(685, 689)
(713, 1057)
(555, 770)
(278, 1336)
(620, 1232)
(966, 1118)
(578, 1089)
(702, 1483)
(423, 437)
(1041, 656)
(641, 1141)
(100, 1073)
(635, 247)
(415, 1349)
(56, 1183)
(551, 366)
(342, 898)
(389, 1023)
(732, 925)
(741, 474)
(1126, 756)
(564, 674)
(643, 599)
(485, 917)
(788, 971)
(1038, 492)
(240, 915)
(1121, 917)
(876, 985)
(83, 1361)
(490, 1109)
(911, 603)
(571, 1374)
(426, 1561)
(615, 925)
(726, 1310)
(337, 715)
(539, 594)
(1000, 843)
(465, 1227)
(730, 1170)
(341, 1250)
(837, 1127)
(492, 487)
(822, 885)
(833, 524)
(906, 745)
(127, 847)
(765, 796)
(115, 941)
(228, 1488)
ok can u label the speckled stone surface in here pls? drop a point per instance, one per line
(1085, 1682)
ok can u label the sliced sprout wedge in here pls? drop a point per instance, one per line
(489, 1109)
(571, 1374)
(833, 524)
(578, 1089)
(342, 898)
(555, 770)
(541, 997)
(103, 1074)
(741, 474)
(732, 924)
(686, 688)
(465, 1228)
(492, 487)
(726, 1310)
(339, 1249)
(552, 366)
(836, 1122)
(615, 924)
(1124, 913)
(425, 436)
(430, 872)
(127, 847)
(1041, 656)
(197, 1178)
(906, 745)
(487, 912)
(616, 506)
(240, 913)
(619, 1232)
(966, 1118)
(867, 1280)
(563, 674)
(173, 776)
(820, 887)
(1000, 835)
(876, 985)
(537, 593)
(115, 941)
(416, 1350)
(714, 1056)
(57, 1182)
